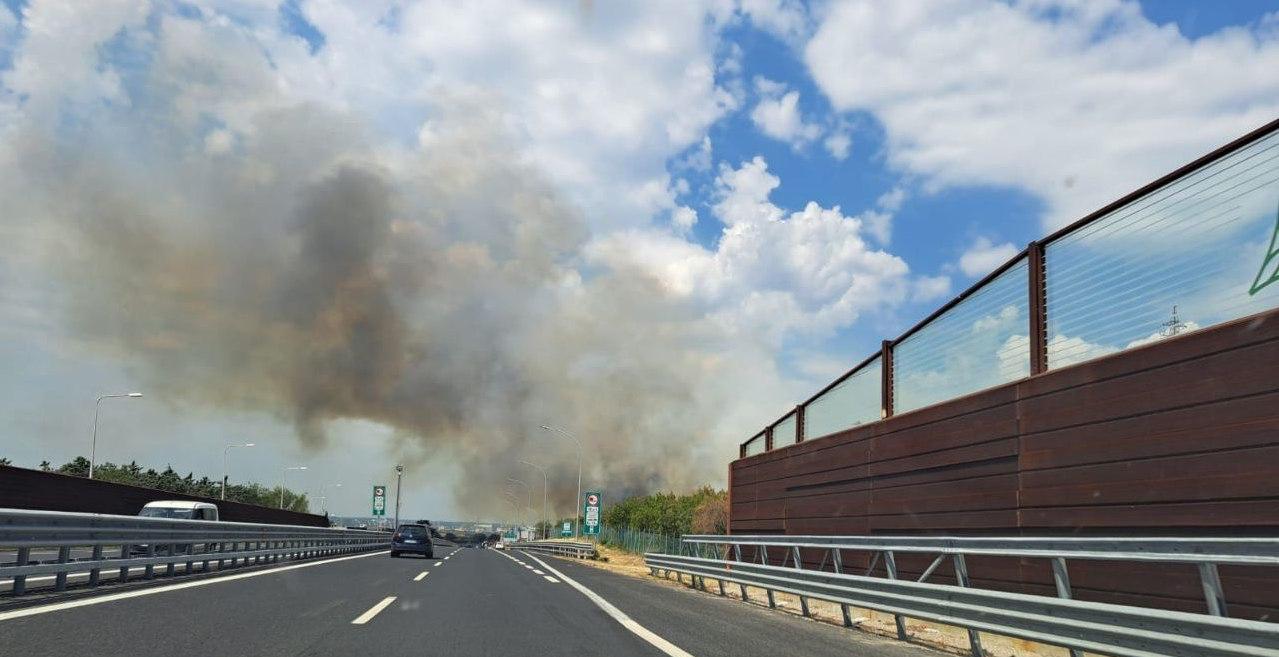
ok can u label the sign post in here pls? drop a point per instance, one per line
(591, 503)
(379, 500)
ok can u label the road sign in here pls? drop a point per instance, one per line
(567, 529)
(591, 513)
(379, 500)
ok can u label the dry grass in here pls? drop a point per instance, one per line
(933, 635)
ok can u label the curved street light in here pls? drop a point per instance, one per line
(577, 505)
(546, 531)
(324, 500)
(93, 446)
(224, 468)
(282, 475)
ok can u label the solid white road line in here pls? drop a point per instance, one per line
(551, 579)
(373, 611)
(112, 597)
(422, 575)
(439, 563)
(618, 615)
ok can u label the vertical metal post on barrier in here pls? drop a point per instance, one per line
(890, 564)
(20, 581)
(1061, 579)
(171, 567)
(95, 573)
(803, 601)
(737, 551)
(763, 558)
(838, 562)
(124, 570)
(961, 577)
(1213, 594)
(60, 581)
(725, 558)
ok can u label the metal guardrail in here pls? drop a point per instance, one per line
(1081, 626)
(121, 543)
(561, 548)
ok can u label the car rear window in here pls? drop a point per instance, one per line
(412, 532)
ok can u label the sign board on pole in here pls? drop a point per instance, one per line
(567, 529)
(591, 503)
(379, 500)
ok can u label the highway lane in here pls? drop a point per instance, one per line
(463, 602)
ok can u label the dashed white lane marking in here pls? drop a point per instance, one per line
(85, 602)
(439, 563)
(551, 579)
(373, 611)
(536, 571)
(422, 575)
(448, 557)
(618, 615)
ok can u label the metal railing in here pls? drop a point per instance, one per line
(561, 548)
(121, 544)
(1096, 627)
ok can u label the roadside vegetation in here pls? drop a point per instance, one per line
(170, 480)
(703, 511)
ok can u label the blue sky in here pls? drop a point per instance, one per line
(659, 224)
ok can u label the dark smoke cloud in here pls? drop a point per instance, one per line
(308, 274)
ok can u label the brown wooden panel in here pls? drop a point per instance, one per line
(1224, 475)
(1003, 447)
(978, 427)
(1230, 514)
(1228, 375)
(1196, 344)
(942, 522)
(1246, 422)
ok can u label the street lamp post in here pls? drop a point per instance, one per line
(399, 471)
(324, 500)
(528, 491)
(93, 446)
(282, 476)
(577, 505)
(546, 530)
(224, 468)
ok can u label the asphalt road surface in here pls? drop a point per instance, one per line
(463, 602)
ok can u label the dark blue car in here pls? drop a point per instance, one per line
(414, 539)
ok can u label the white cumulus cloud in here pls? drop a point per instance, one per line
(984, 256)
(1077, 103)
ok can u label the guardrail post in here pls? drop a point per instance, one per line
(763, 558)
(60, 581)
(171, 567)
(95, 573)
(961, 577)
(124, 570)
(150, 569)
(1061, 579)
(838, 562)
(737, 550)
(20, 581)
(890, 564)
(1213, 594)
(803, 601)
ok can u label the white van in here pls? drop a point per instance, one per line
(180, 510)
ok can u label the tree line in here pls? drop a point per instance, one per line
(703, 511)
(169, 480)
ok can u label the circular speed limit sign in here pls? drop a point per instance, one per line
(592, 499)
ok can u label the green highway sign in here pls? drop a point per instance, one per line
(379, 500)
(591, 503)
(567, 529)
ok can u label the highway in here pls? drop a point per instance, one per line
(463, 602)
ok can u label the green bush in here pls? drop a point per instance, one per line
(702, 511)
